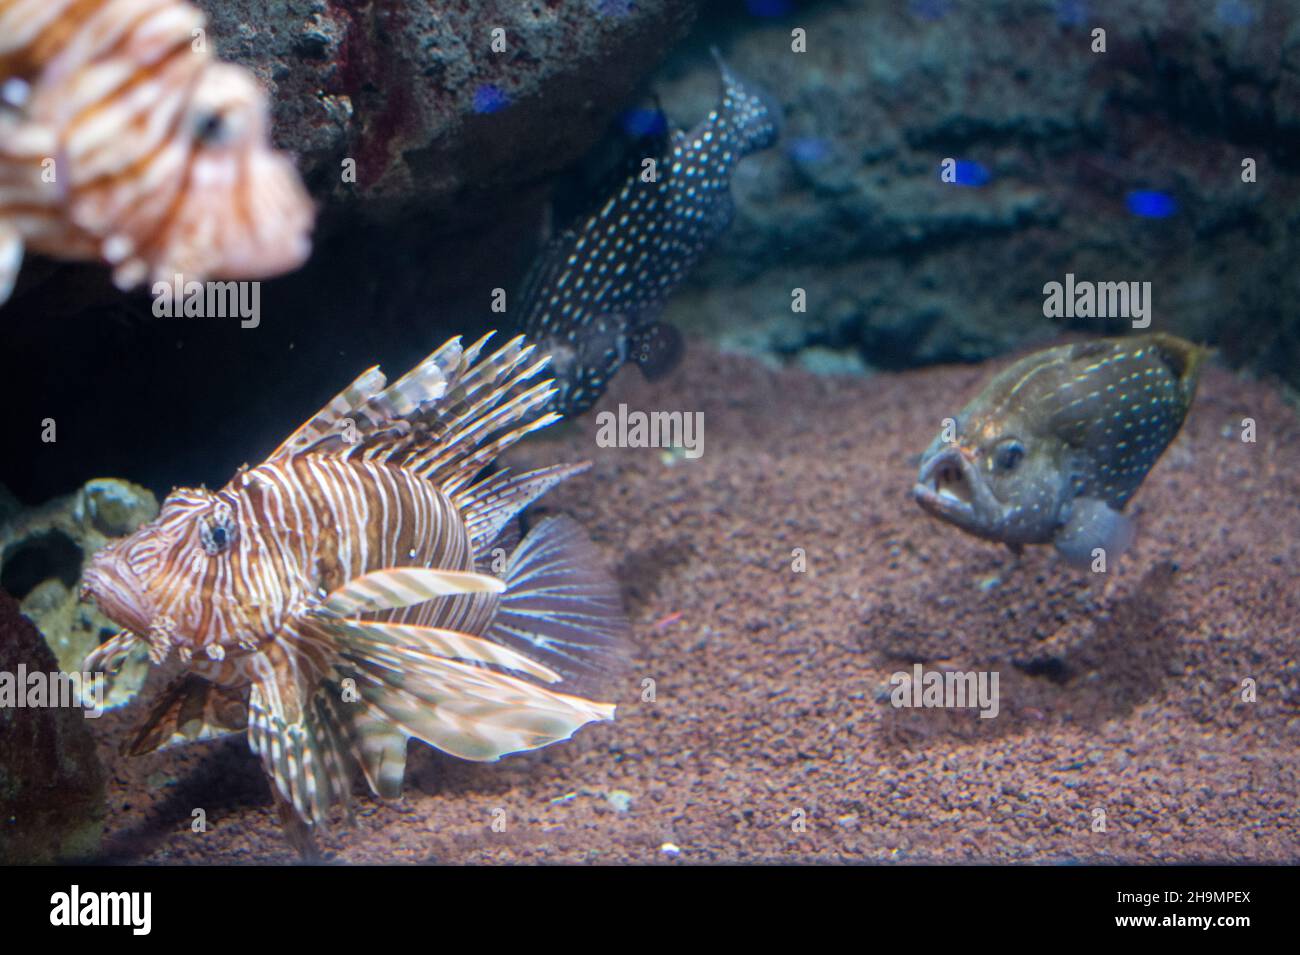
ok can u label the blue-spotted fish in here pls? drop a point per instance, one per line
(594, 297)
(123, 140)
(1053, 448)
(353, 591)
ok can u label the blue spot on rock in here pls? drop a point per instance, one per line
(932, 10)
(1150, 204)
(968, 172)
(644, 122)
(1071, 13)
(613, 8)
(769, 8)
(809, 149)
(1235, 13)
(490, 99)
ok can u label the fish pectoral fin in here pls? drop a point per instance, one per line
(448, 690)
(11, 259)
(465, 709)
(398, 645)
(190, 709)
(440, 687)
(304, 745)
(1094, 530)
(107, 658)
(657, 348)
(399, 587)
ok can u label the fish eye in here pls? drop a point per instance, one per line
(1009, 455)
(217, 530)
(210, 128)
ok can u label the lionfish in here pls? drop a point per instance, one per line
(1053, 447)
(594, 296)
(353, 590)
(122, 139)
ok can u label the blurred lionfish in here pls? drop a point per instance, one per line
(1053, 447)
(159, 154)
(595, 294)
(333, 600)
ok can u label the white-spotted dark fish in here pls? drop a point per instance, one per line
(593, 300)
(1053, 448)
(123, 140)
(352, 592)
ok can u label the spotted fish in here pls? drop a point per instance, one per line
(123, 140)
(594, 297)
(353, 590)
(1053, 448)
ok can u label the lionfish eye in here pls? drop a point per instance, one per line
(1009, 456)
(210, 128)
(217, 532)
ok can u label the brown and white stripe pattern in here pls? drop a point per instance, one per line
(361, 565)
(123, 139)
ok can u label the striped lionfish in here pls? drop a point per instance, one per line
(593, 298)
(123, 139)
(335, 600)
(1053, 447)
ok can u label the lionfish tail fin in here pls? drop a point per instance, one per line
(561, 607)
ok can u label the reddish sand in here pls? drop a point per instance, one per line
(1119, 695)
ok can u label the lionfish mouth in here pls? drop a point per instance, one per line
(117, 595)
(944, 485)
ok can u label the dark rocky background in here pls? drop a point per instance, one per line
(900, 269)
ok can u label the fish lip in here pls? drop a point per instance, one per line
(116, 591)
(945, 484)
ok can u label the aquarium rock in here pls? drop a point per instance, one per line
(400, 88)
(43, 551)
(51, 780)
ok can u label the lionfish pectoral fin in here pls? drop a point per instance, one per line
(189, 709)
(107, 658)
(296, 831)
(563, 608)
(444, 688)
(11, 259)
(381, 749)
(303, 746)
(465, 709)
(657, 349)
(1094, 529)
(402, 645)
(398, 587)
(448, 690)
